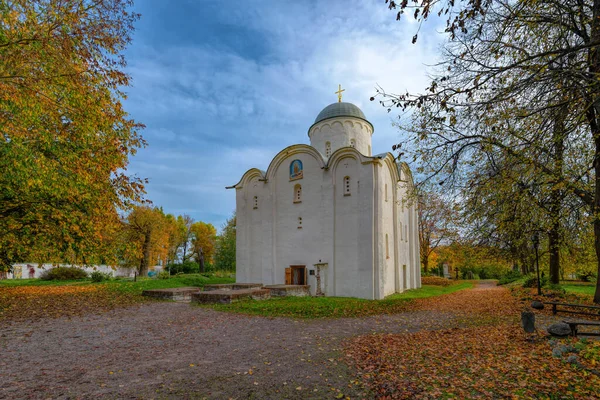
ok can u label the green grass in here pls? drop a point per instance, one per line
(39, 282)
(173, 282)
(335, 307)
(126, 285)
(580, 289)
(430, 291)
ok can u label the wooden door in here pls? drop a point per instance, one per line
(297, 275)
(288, 276)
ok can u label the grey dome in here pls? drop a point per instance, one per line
(340, 110)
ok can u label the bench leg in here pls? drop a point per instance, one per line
(553, 309)
(574, 330)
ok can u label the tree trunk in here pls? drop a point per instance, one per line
(595, 213)
(554, 250)
(556, 197)
(201, 261)
(425, 262)
(145, 263)
(592, 114)
(184, 251)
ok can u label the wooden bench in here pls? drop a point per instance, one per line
(556, 304)
(574, 324)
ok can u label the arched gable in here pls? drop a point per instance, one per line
(290, 151)
(390, 163)
(247, 177)
(345, 152)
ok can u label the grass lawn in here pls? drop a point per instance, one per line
(336, 307)
(126, 285)
(587, 289)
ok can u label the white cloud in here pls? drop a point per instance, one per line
(212, 113)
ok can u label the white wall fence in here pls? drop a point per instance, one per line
(30, 270)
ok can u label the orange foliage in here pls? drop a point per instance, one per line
(485, 361)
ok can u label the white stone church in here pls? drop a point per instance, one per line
(330, 214)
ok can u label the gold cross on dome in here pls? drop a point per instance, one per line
(339, 93)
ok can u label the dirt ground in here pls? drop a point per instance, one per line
(163, 350)
(177, 350)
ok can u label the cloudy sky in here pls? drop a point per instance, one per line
(223, 86)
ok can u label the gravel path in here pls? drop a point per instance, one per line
(176, 350)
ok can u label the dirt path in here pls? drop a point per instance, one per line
(165, 350)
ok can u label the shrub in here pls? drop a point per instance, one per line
(163, 275)
(63, 274)
(555, 288)
(531, 281)
(98, 276)
(586, 276)
(435, 280)
(188, 267)
(510, 277)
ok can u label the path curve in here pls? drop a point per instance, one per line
(168, 349)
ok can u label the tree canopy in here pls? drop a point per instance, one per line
(514, 101)
(65, 139)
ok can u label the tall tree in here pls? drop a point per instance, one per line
(187, 223)
(180, 237)
(147, 233)
(524, 68)
(65, 139)
(204, 236)
(437, 217)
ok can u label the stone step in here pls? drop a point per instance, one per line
(227, 296)
(177, 294)
(232, 286)
(289, 290)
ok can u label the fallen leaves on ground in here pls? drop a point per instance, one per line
(489, 358)
(480, 362)
(436, 280)
(482, 305)
(33, 302)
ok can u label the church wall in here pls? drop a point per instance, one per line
(253, 235)
(408, 245)
(402, 239)
(313, 241)
(339, 132)
(352, 271)
(387, 232)
(414, 240)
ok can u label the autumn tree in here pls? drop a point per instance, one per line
(180, 237)
(203, 240)
(65, 139)
(225, 246)
(520, 77)
(437, 217)
(146, 237)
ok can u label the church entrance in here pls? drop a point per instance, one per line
(295, 275)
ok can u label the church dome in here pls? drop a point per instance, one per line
(340, 109)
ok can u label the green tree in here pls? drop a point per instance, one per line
(225, 252)
(65, 139)
(204, 236)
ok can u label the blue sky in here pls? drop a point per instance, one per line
(222, 89)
